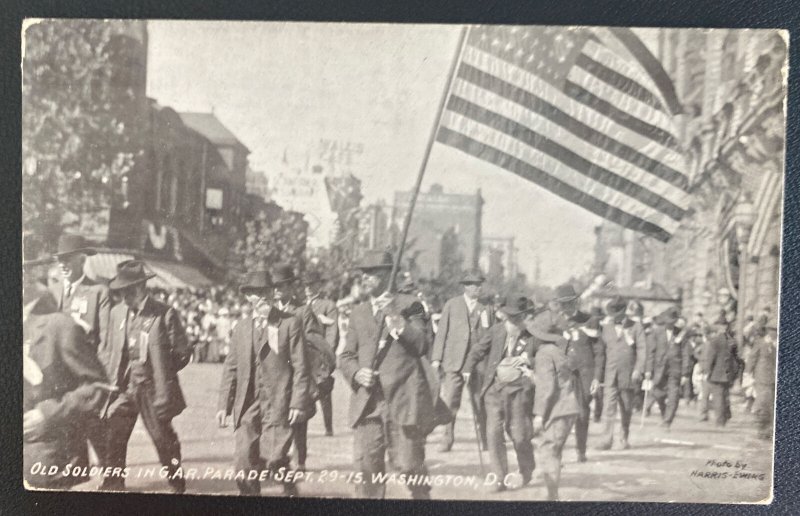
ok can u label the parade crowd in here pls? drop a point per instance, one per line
(99, 356)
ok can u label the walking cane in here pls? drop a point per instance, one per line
(644, 403)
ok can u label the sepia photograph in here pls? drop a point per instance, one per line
(401, 261)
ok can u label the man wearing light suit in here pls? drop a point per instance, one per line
(265, 384)
(147, 346)
(463, 322)
(625, 354)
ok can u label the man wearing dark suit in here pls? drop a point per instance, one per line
(762, 366)
(464, 320)
(720, 367)
(328, 316)
(586, 351)
(508, 389)
(64, 384)
(392, 403)
(625, 351)
(668, 364)
(88, 303)
(321, 359)
(555, 405)
(265, 384)
(147, 346)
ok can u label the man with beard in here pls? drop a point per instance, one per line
(586, 353)
(464, 320)
(625, 352)
(265, 384)
(392, 403)
(508, 389)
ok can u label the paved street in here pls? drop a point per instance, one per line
(657, 467)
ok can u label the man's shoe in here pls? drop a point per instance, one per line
(605, 445)
(703, 418)
(581, 457)
(624, 444)
(289, 489)
(499, 487)
(301, 467)
(177, 486)
(526, 478)
(665, 425)
(328, 433)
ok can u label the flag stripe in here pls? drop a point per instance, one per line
(624, 103)
(584, 147)
(769, 195)
(565, 155)
(651, 65)
(538, 88)
(517, 149)
(585, 131)
(621, 82)
(647, 130)
(538, 176)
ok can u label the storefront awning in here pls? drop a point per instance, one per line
(169, 275)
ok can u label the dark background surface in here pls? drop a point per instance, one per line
(649, 13)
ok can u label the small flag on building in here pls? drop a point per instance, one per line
(586, 113)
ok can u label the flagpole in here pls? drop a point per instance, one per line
(415, 192)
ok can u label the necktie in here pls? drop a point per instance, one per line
(68, 290)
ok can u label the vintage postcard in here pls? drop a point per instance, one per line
(401, 261)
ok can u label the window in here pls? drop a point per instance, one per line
(227, 156)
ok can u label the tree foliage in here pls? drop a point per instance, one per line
(76, 136)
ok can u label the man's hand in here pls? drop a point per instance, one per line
(296, 416)
(222, 418)
(538, 425)
(31, 421)
(636, 377)
(466, 377)
(684, 380)
(436, 364)
(519, 361)
(383, 301)
(648, 375)
(365, 377)
(396, 324)
(527, 372)
(594, 386)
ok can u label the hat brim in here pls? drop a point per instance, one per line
(38, 261)
(88, 251)
(564, 299)
(280, 282)
(244, 289)
(510, 313)
(472, 282)
(614, 310)
(117, 284)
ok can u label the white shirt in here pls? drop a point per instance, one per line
(471, 303)
(69, 288)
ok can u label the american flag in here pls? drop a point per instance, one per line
(586, 113)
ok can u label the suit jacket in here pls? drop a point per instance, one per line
(762, 360)
(61, 374)
(666, 357)
(555, 390)
(326, 307)
(167, 351)
(320, 356)
(451, 344)
(720, 362)
(493, 344)
(402, 379)
(625, 353)
(587, 352)
(283, 369)
(90, 300)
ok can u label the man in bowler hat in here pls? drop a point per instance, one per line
(463, 322)
(508, 389)
(625, 351)
(147, 346)
(265, 385)
(392, 403)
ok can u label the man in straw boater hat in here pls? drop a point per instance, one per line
(321, 358)
(265, 386)
(146, 348)
(583, 347)
(668, 364)
(625, 349)
(464, 321)
(508, 389)
(392, 404)
(64, 387)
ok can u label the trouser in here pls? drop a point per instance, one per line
(764, 407)
(326, 403)
(452, 389)
(369, 452)
(617, 398)
(259, 447)
(554, 436)
(598, 404)
(509, 412)
(300, 438)
(119, 427)
(582, 424)
(720, 402)
(703, 395)
(666, 394)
